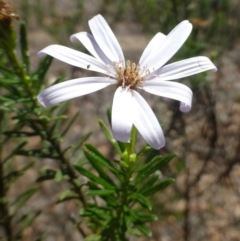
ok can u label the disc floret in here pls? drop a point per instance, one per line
(128, 76)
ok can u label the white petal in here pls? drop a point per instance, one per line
(151, 48)
(77, 59)
(72, 88)
(91, 45)
(106, 39)
(146, 122)
(169, 46)
(184, 68)
(184, 107)
(122, 115)
(170, 90)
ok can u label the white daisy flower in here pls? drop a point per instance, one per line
(150, 74)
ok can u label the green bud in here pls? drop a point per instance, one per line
(124, 164)
(125, 156)
(133, 158)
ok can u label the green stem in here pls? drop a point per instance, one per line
(120, 217)
(21, 73)
(5, 218)
(131, 145)
(124, 201)
(67, 164)
(27, 84)
(26, 80)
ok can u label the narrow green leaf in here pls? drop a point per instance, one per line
(120, 144)
(76, 146)
(159, 163)
(8, 81)
(144, 229)
(142, 200)
(28, 219)
(12, 176)
(110, 199)
(47, 175)
(155, 164)
(94, 150)
(37, 153)
(110, 137)
(133, 137)
(23, 198)
(92, 153)
(58, 176)
(93, 237)
(143, 151)
(103, 192)
(59, 117)
(68, 198)
(158, 187)
(7, 72)
(19, 133)
(140, 169)
(134, 232)
(79, 157)
(57, 123)
(145, 218)
(24, 46)
(67, 195)
(42, 69)
(17, 148)
(97, 211)
(105, 130)
(93, 159)
(70, 124)
(92, 177)
(133, 216)
(153, 153)
(14, 89)
(149, 183)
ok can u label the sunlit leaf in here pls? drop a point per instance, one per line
(98, 158)
(103, 192)
(92, 177)
(147, 217)
(94, 160)
(58, 176)
(138, 197)
(110, 137)
(42, 69)
(154, 165)
(93, 237)
(48, 175)
(157, 187)
(144, 229)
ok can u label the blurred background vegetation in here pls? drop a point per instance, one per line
(203, 204)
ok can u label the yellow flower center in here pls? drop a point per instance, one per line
(130, 76)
